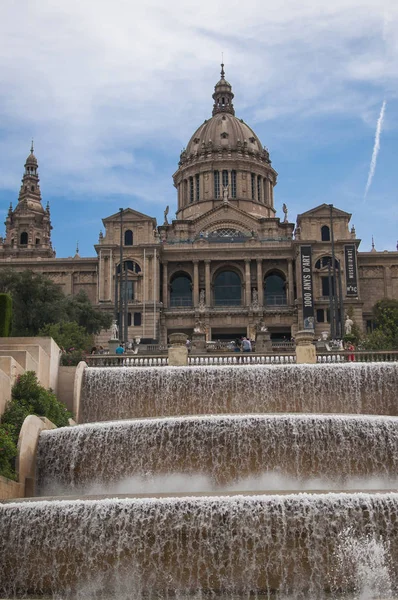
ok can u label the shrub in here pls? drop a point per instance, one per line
(5, 315)
(28, 397)
(71, 358)
(8, 452)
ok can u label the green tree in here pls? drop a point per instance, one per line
(385, 334)
(68, 335)
(5, 315)
(79, 308)
(36, 301)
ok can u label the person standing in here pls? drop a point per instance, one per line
(119, 351)
(246, 345)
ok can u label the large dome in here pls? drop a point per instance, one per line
(224, 161)
(226, 131)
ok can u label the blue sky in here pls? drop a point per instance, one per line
(112, 91)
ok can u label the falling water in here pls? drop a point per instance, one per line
(185, 546)
(329, 449)
(126, 393)
(214, 432)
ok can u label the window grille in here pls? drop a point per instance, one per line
(191, 189)
(197, 187)
(233, 184)
(216, 184)
(253, 186)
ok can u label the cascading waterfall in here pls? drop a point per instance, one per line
(227, 429)
(235, 546)
(330, 450)
(127, 393)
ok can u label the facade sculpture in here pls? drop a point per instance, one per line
(226, 257)
(348, 325)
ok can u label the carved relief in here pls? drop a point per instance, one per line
(371, 272)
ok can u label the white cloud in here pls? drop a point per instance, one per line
(97, 82)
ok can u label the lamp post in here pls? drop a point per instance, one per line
(121, 295)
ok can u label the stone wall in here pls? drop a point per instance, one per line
(10, 489)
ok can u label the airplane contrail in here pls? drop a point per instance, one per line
(376, 148)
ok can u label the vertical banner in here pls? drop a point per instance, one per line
(307, 287)
(350, 254)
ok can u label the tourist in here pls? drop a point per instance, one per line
(246, 345)
(119, 351)
(351, 348)
(93, 350)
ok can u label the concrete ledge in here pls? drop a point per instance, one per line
(39, 355)
(27, 447)
(24, 358)
(10, 489)
(77, 389)
(5, 391)
(66, 384)
(49, 347)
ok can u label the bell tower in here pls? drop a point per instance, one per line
(28, 226)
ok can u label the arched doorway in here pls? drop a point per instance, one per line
(275, 289)
(227, 289)
(181, 290)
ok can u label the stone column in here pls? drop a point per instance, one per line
(178, 352)
(260, 285)
(290, 280)
(207, 282)
(305, 349)
(247, 282)
(165, 298)
(196, 283)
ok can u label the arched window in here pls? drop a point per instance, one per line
(325, 233)
(181, 290)
(274, 289)
(131, 266)
(227, 289)
(23, 239)
(128, 238)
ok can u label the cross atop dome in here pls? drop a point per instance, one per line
(223, 96)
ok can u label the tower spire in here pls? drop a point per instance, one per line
(31, 147)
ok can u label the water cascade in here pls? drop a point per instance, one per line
(216, 441)
(127, 393)
(330, 450)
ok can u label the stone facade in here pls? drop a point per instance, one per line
(226, 261)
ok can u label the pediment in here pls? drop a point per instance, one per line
(129, 214)
(226, 212)
(323, 211)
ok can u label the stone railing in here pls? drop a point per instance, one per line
(126, 360)
(242, 358)
(358, 356)
(238, 358)
(233, 358)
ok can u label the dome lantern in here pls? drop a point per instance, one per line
(223, 96)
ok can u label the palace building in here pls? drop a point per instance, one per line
(227, 260)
